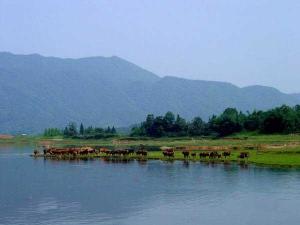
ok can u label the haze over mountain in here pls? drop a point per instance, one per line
(38, 92)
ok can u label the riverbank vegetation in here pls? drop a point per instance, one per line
(280, 120)
(72, 131)
(269, 150)
(271, 137)
(267, 157)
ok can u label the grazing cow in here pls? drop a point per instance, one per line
(36, 152)
(244, 155)
(138, 152)
(225, 154)
(130, 151)
(48, 151)
(214, 155)
(86, 150)
(186, 154)
(73, 151)
(104, 150)
(118, 152)
(123, 152)
(83, 152)
(203, 154)
(193, 154)
(58, 151)
(113, 152)
(141, 152)
(169, 152)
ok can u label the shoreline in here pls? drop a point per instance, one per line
(266, 150)
(155, 155)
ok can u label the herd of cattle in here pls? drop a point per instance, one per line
(211, 155)
(167, 152)
(88, 150)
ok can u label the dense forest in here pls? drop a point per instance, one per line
(72, 131)
(281, 120)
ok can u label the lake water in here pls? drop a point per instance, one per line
(38, 191)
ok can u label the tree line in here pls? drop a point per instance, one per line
(90, 132)
(281, 120)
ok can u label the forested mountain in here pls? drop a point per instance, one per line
(38, 92)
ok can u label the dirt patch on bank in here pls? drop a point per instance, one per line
(6, 136)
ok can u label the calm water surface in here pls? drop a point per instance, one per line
(37, 191)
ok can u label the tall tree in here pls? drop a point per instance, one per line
(169, 120)
(196, 127)
(108, 130)
(72, 129)
(81, 129)
(180, 126)
(113, 130)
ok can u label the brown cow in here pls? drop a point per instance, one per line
(141, 152)
(104, 150)
(36, 152)
(244, 155)
(130, 151)
(214, 155)
(169, 152)
(186, 154)
(203, 154)
(225, 154)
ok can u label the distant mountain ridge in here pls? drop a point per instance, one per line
(38, 92)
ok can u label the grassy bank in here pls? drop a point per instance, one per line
(242, 139)
(266, 158)
(275, 150)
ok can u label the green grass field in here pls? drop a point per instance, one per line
(238, 140)
(274, 159)
(269, 150)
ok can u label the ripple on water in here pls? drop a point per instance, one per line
(34, 191)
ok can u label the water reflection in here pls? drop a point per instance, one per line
(186, 163)
(114, 191)
(243, 165)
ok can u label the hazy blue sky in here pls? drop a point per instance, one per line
(241, 41)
